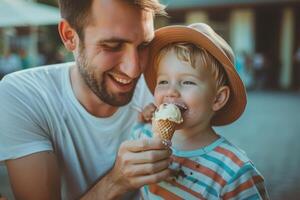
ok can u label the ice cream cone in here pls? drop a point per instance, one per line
(165, 129)
(165, 120)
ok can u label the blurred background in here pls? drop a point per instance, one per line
(265, 36)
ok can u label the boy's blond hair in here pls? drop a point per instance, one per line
(198, 57)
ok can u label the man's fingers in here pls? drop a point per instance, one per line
(144, 157)
(150, 156)
(142, 162)
(146, 169)
(142, 145)
(150, 179)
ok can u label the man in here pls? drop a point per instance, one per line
(69, 122)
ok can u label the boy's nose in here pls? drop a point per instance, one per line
(172, 91)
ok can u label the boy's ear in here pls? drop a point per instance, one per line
(67, 35)
(221, 98)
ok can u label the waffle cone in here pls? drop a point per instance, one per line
(164, 128)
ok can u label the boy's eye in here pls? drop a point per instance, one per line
(189, 83)
(162, 82)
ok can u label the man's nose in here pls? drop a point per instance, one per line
(131, 63)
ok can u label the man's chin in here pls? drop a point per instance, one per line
(118, 100)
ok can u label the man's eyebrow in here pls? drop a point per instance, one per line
(113, 40)
(121, 40)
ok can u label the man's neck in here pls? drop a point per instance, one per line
(87, 98)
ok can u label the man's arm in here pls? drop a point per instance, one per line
(35, 176)
(138, 163)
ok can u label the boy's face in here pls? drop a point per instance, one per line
(192, 88)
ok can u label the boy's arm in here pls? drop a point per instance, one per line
(35, 176)
(247, 183)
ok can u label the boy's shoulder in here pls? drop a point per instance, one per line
(228, 159)
(231, 153)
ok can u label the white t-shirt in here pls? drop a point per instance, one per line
(39, 112)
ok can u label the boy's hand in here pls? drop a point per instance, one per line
(146, 115)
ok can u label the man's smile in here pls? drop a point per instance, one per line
(121, 82)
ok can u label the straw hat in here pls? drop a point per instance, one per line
(199, 35)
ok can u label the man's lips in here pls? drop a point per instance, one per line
(120, 79)
(121, 82)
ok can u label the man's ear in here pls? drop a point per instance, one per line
(67, 35)
(221, 98)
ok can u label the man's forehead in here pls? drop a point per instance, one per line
(114, 29)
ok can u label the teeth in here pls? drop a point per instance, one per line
(120, 80)
(123, 81)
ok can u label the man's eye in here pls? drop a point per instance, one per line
(113, 46)
(189, 83)
(163, 82)
(143, 45)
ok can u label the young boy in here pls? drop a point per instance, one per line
(192, 67)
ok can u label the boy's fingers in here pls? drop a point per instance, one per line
(148, 111)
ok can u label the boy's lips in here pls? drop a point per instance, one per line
(182, 107)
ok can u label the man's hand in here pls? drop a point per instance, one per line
(139, 162)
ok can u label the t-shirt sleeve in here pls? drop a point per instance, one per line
(247, 183)
(22, 127)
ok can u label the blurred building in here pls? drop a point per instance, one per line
(268, 27)
(26, 30)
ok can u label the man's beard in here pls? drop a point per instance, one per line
(100, 89)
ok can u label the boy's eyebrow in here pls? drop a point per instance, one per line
(182, 74)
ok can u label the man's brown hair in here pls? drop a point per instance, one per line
(76, 12)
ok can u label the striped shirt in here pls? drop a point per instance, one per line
(217, 171)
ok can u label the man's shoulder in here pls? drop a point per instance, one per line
(38, 77)
(34, 84)
(40, 71)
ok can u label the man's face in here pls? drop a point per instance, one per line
(113, 54)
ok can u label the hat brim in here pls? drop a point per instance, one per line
(172, 34)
